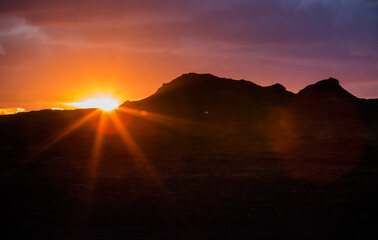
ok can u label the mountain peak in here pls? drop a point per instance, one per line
(188, 81)
(278, 87)
(196, 83)
(193, 75)
(330, 82)
(326, 86)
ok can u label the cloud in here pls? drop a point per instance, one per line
(240, 22)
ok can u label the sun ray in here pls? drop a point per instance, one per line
(95, 158)
(97, 147)
(53, 141)
(66, 132)
(158, 118)
(93, 164)
(180, 124)
(142, 162)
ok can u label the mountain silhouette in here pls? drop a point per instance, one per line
(206, 90)
(207, 97)
(327, 86)
(222, 99)
(193, 94)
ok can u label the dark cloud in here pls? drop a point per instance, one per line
(282, 22)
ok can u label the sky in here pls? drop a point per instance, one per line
(56, 52)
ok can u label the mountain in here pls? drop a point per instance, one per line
(204, 88)
(328, 97)
(199, 92)
(329, 86)
(192, 94)
(226, 100)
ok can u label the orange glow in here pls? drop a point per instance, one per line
(143, 113)
(104, 103)
(7, 111)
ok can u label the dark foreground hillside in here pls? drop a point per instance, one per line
(202, 158)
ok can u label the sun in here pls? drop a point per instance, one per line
(106, 104)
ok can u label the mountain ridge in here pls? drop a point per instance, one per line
(208, 82)
(193, 92)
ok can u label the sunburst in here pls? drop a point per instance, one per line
(104, 103)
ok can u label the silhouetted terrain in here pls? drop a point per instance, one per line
(202, 158)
